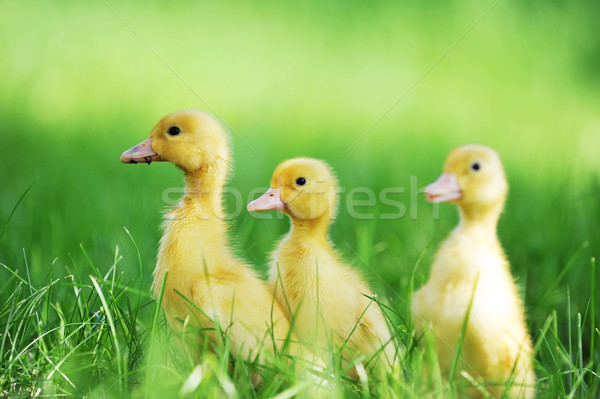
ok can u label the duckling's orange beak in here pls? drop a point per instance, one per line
(444, 189)
(269, 201)
(142, 152)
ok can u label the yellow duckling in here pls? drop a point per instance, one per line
(225, 292)
(324, 296)
(470, 268)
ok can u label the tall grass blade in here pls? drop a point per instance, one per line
(123, 383)
(12, 212)
(463, 331)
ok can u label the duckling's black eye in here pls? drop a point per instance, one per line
(301, 181)
(476, 166)
(174, 131)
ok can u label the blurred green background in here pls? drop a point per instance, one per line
(380, 90)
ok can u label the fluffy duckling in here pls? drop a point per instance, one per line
(324, 296)
(225, 292)
(470, 268)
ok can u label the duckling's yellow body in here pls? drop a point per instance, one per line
(324, 296)
(201, 268)
(206, 287)
(471, 270)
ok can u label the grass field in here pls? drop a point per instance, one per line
(381, 91)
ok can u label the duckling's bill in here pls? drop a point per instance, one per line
(444, 189)
(271, 200)
(141, 153)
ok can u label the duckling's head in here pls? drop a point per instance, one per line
(304, 188)
(189, 139)
(473, 177)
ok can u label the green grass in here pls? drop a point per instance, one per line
(289, 79)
